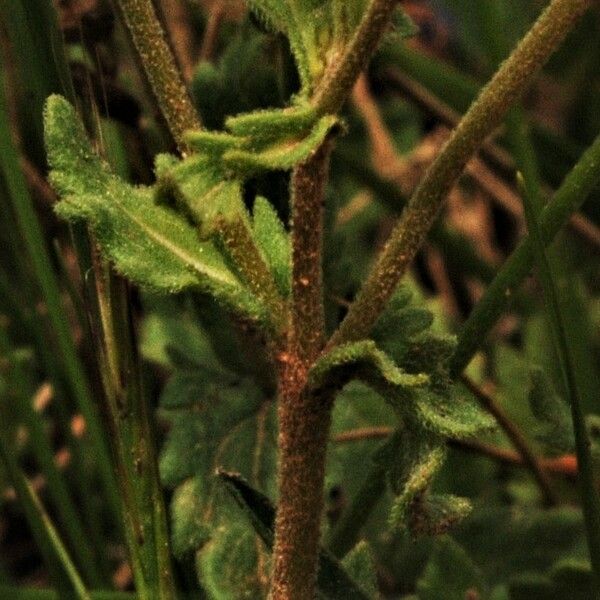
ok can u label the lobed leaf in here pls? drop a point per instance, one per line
(362, 360)
(413, 460)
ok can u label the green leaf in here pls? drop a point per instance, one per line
(362, 360)
(360, 565)
(149, 244)
(436, 514)
(450, 574)
(264, 126)
(229, 564)
(451, 414)
(274, 243)
(281, 152)
(333, 582)
(554, 428)
(413, 459)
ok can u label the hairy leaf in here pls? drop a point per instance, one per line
(360, 566)
(274, 243)
(149, 244)
(413, 461)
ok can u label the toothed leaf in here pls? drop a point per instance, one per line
(282, 153)
(436, 514)
(149, 244)
(362, 360)
(414, 459)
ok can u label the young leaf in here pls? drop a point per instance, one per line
(280, 153)
(362, 360)
(149, 244)
(414, 459)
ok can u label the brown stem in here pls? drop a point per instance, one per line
(304, 418)
(304, 421)
(309, 180)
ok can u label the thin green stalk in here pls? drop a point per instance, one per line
(45, 276)
(39, 63)
(131, 433)
(589, 494)
(160, 67)
(340, 77)
(482, 118)
(65, 507)
(519, 138)
(47, 539)
(573, 192)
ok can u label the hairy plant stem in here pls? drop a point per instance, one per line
(160, 67)
(482, 118)
(339, 78)
(304, 421)
(304, 418)
(309, 180)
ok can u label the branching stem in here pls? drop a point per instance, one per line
(482, 118)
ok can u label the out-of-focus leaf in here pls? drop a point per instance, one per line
(554, 427)
(274, 243)
(450, 574)
(360, 566)
(333, 582)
